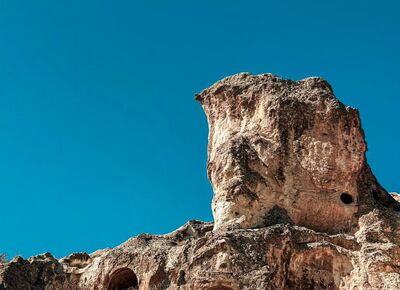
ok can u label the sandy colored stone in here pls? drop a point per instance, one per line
(280, 149)
(281, 155)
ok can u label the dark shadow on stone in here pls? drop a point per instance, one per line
(346, 198)
(220, 288)
(277, 215)
(123, 279)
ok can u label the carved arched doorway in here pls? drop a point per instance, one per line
(220, 287)
(123, 279)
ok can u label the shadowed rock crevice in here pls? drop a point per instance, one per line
(277, 215)
(123, 279)
(220, 288)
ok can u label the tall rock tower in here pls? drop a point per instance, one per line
(282, 150)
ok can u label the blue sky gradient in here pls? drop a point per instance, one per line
(101, 138)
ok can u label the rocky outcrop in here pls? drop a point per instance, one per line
(295, 204)
(286, 150)
(39, 272)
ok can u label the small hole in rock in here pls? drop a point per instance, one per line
(346, 198)
(236, 213)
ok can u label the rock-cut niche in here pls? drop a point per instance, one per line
(220, 288)
(123, 279)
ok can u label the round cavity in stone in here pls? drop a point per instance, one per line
(346, 198)
(123, 279)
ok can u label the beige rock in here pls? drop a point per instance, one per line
(295, 206)
(280, 149)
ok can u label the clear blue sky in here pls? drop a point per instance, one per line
(101, 138)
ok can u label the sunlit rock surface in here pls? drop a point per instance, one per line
(286, 150)
(295, 204)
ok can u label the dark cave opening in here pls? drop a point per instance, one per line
(220, 288)
(346, 198)
(123, 279)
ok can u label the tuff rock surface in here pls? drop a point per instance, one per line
(295, 204)
(280, 149)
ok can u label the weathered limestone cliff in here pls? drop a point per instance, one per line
(287, 150)
(295, 205)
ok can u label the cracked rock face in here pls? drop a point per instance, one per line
(282, 150)
(296, 206)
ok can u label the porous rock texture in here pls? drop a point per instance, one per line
(289, 150)
(295, 205)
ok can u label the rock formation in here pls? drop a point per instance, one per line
(289, 151)
(295, 205)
